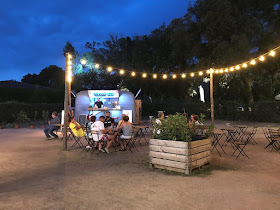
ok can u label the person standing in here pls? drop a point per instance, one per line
(109, 121)
(99, 104)
(52, 126)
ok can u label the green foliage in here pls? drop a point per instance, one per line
(21, 117)
(175, 127)
(9, 125)
(45, 115)
(8, 110)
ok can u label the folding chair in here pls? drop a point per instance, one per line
(77, 140)
(274, 137)
(240, 146)
(130, 142)
(216, 141)
(100, 141)
(251, 135)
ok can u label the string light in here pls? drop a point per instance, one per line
(83, 62)
(272, 53)
(262, 58)
(69, 56)
(109, 69)
(253, 62)
(245, 64)
(69, 62)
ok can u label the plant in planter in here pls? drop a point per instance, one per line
(9, 125)
(174, 146)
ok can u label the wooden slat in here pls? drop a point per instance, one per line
(199, 155)
(200, 162)
(185, 171)
(168, 156)
(196, 150)
(169, 163)
(169, 143)
(172, 150)
(200, 143)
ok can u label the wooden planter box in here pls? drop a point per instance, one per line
(179, 156)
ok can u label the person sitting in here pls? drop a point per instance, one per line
(76, 128)
(159, 122)
(99, 133)
(99, 104)
(194, 124)
(126, 129)
(109, 121)
(52, 127)
(121, 121)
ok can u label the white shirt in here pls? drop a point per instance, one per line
(97, 126)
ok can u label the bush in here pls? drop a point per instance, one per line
(9, 111)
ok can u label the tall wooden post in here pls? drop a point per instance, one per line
(66, 98)
(212, 97)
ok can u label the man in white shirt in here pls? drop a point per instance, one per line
(99, 133)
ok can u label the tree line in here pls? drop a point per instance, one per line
(213, 33)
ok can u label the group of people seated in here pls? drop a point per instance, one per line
(104, 130)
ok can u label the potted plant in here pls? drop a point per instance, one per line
(176, 147)
(21, 117)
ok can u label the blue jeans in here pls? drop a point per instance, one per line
(49, 131)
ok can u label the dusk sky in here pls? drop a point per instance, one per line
(33, 33)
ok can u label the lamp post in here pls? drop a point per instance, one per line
(68, 79)
(212, 96)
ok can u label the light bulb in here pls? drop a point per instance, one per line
(253, 62)
(192, 74)
(83, 62)
(69, 62)
(69, 56)
(237, 67)
(231, 69)
(183, 75)
(121, 71)
(208, 72)
(272, 53)
(221, 71)
(133, 73)
(226, 70)
(154, 76)
(217, 71)
(262, 58)
(96, 65)
(174, 76)
(200, 73)
(164, 76)
(109, 69)
(144, 75)
(244, 65)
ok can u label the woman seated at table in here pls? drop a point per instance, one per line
(126, 129)
(194, 124)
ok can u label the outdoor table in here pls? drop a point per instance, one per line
(240, 130)
(142, 131)
(216, 141)
(230, 136)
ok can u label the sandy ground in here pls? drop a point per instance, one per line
(36, 174)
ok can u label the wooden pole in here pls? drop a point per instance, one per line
(212, 96)
(66, 105)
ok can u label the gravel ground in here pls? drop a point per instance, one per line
(36, 174)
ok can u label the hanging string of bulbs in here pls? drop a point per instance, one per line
(223, 70)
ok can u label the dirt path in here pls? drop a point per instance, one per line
(35, 174)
